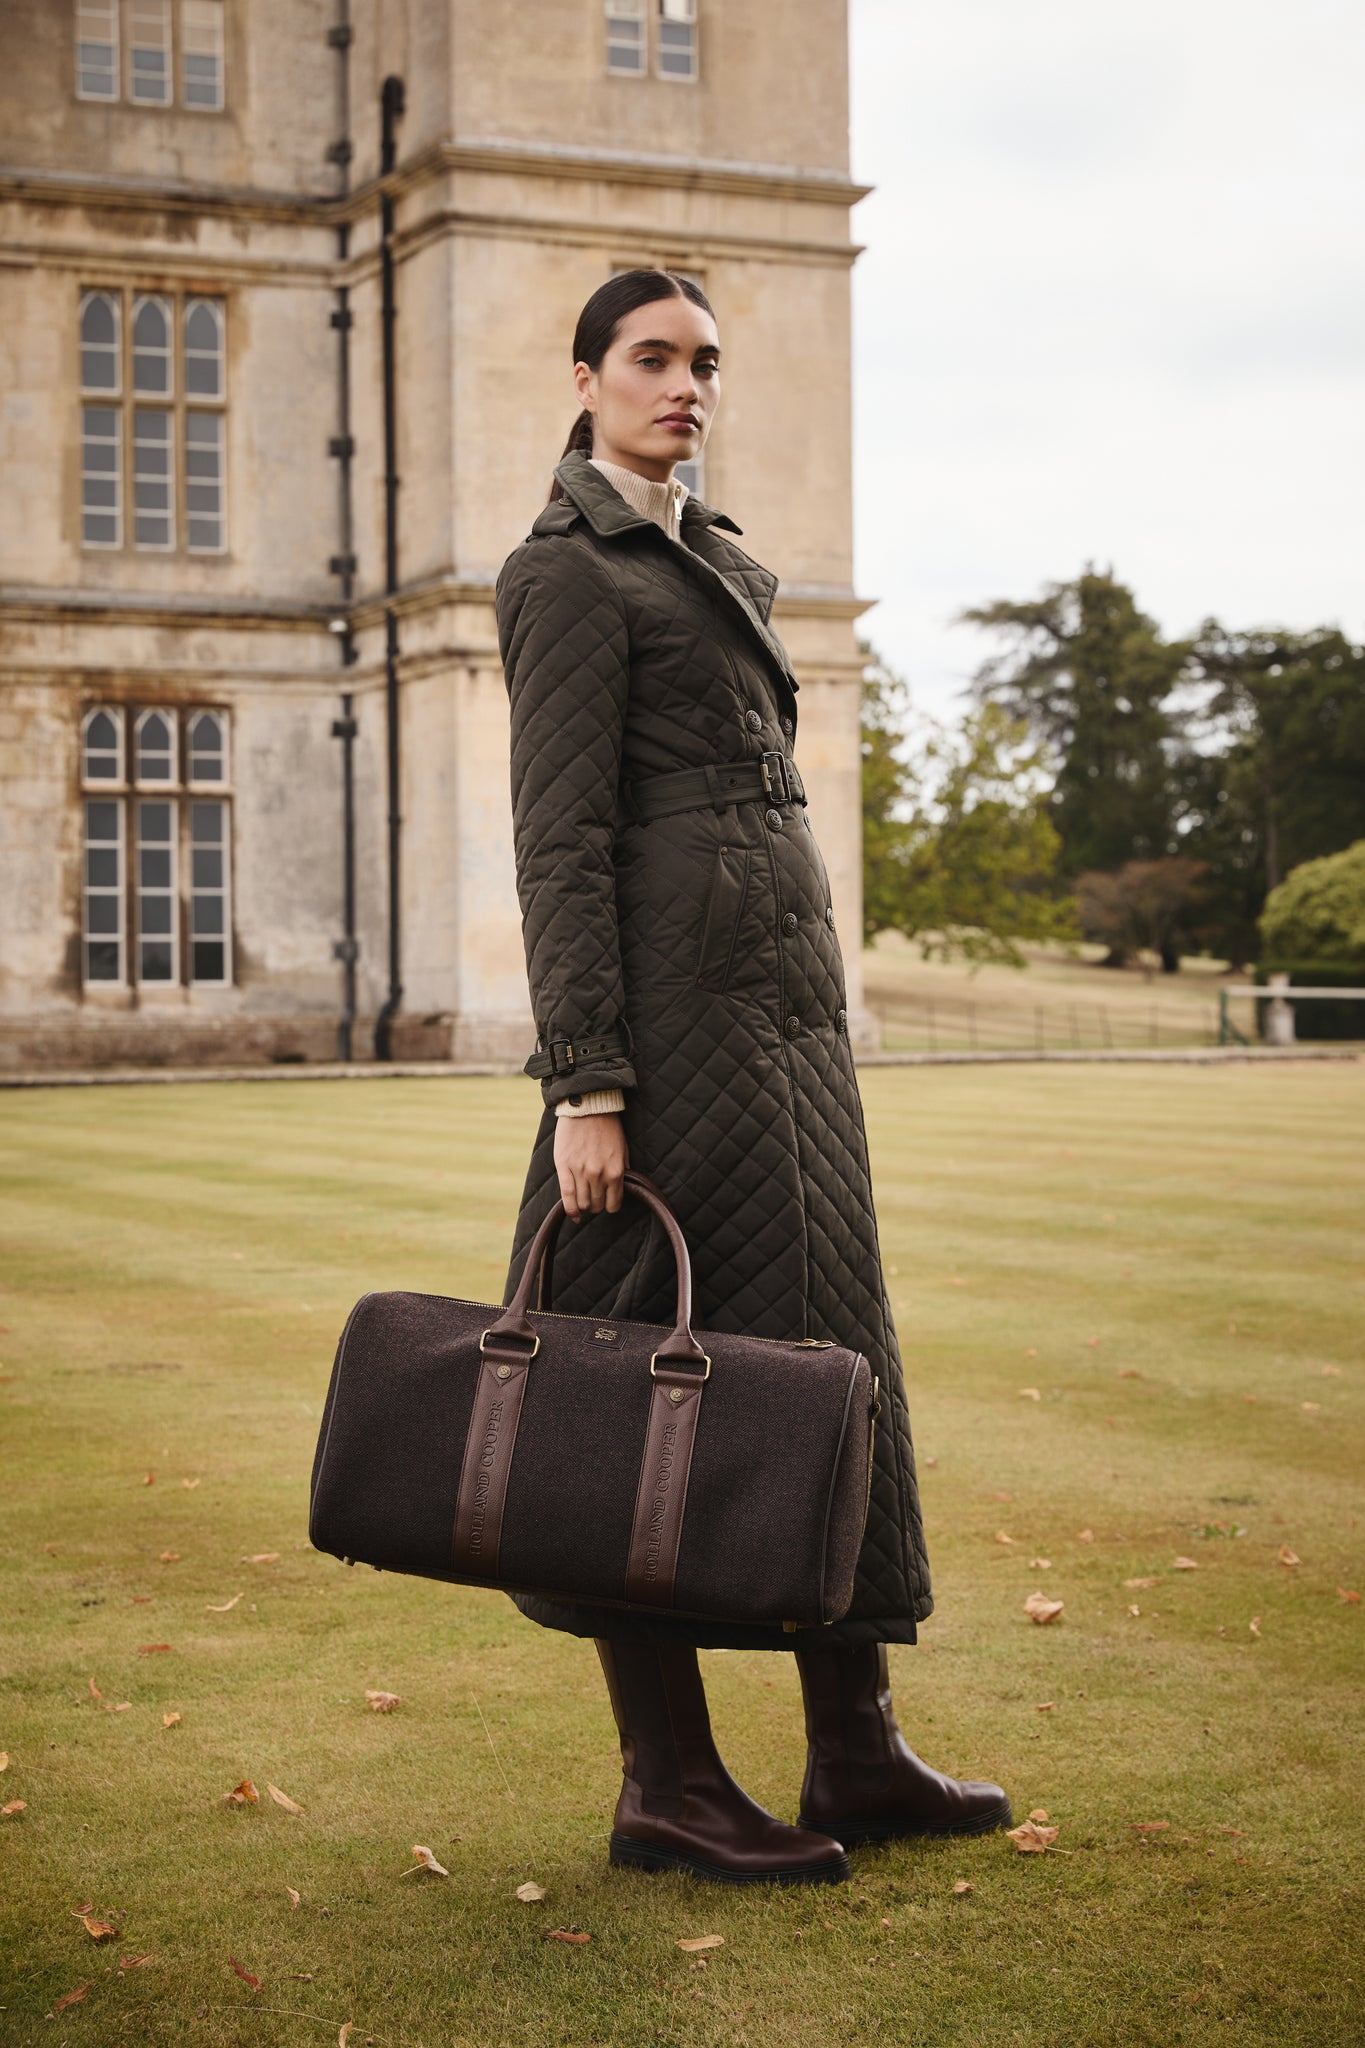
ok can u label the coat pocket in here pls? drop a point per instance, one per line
(724, 909)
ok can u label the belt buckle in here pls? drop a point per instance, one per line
(783, 792)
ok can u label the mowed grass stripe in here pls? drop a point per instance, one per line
(224, 1230)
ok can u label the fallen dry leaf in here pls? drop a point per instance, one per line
(133, 1963)
(1001, 1537)
(140, 1600)
(1141, 1585)
(383, 1702)
(693, 1944)
(1040, 1609)
(283, 1799)
(170, 1720)
(170, 1557)
(150, 1480)
(1130, 1372)
(295, 1898)
(1029, 1394)
(226, 1607)
(1185, 1564)
(1002, 1496)
(1040, 1564)
(98, 1930)
(885, 1921)
(1031, 1837)
(189, 1484)
(425, 1861)
(245, 1975)
(1331, 1372)
(1086, 1536)
(344, 2036)
(1255, 1624)
(1286, 1555)
(4, 1759)
(928, 1461)
(242, 1794)
(263, 1557)
(568, 1934)
(1311, 1407)
(1343, 1593)
(1045, 1706)
(70, 1998)
(152, 1649)
(1148, 1827)
(14, 1806)
(961, 1888)
(530, 1894)
(51, 1549)
(1135, 1610)
(1038, 1813)
(95, 1692)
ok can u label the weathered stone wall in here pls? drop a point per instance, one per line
(525, 174)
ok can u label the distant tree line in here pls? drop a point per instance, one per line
(1146, 792)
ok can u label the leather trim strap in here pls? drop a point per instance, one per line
(652, 1566)
(487, 1464)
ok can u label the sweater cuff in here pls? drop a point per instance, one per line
(600, 1103)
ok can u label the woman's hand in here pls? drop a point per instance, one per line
(591, 1159)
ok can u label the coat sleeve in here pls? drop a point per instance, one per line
(565, 652)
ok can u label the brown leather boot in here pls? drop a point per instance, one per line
(679, 1807)
(863, 1781)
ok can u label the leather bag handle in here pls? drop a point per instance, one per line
(680, 1347)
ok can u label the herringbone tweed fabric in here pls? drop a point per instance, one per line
(712, 935)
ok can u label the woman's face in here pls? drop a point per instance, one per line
(655, 394)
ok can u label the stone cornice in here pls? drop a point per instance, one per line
(33, 606)
(96, 190)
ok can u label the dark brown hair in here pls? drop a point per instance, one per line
(597, 328)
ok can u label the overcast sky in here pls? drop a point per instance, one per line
(1111, 309)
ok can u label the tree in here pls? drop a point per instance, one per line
(1147, 904)
(959, 851)
(1318, 910)
(1092, 678)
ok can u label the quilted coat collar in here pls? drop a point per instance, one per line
(749, 587)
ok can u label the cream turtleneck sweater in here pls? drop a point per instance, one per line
(663, 504)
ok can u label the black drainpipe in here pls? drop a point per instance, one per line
(391, 106)
(342, 446)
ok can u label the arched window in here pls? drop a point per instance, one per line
(203, 348)
(154, 747)
(152, 347)
(102, 746)
(99, 342)
(208, 748)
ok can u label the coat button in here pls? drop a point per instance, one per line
(773, 820)
(829, 915)
(790, 922)
(792, 1027)
(841, 1020)
(753, 719)
(787, 727)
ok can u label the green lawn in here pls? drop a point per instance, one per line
(1171, 1259)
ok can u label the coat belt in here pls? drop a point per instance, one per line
(772, 778)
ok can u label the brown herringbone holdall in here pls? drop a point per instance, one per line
(593, 1458)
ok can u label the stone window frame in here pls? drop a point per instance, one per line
(677, 36)
(191, 423)
(202, 826)
(190, 37)
(627, 38)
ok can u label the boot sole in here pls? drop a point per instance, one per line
(627, 1854)
(859, 1834)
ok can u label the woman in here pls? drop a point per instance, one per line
(689, 996)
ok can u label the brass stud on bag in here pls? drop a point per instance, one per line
(504, 1372)
(675, 1395)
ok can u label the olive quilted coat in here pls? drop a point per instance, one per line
(711, 934)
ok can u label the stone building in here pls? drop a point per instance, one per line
(248, 546)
